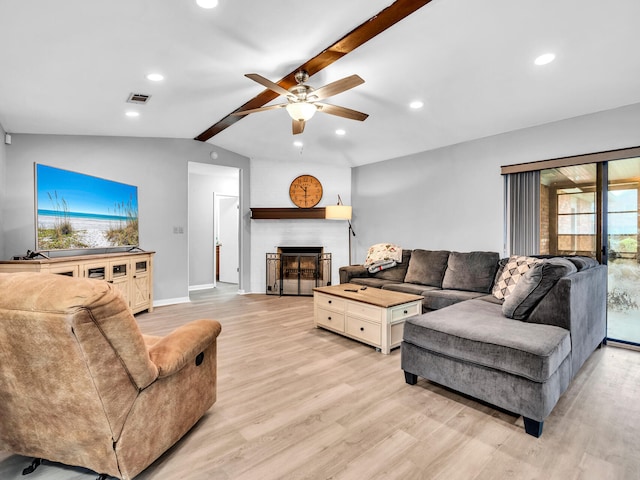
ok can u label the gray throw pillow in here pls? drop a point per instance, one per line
(534, 285)
(427, 267)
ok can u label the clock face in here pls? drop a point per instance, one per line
(305, 191)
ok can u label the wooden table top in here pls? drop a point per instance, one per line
(371, 295)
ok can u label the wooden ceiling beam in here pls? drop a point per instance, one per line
(377, 24)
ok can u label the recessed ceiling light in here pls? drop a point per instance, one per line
(131, 113)
(207, 3)
(341, 131)
(416, 104)
(298, 143)
(155, 77)
(544, 59)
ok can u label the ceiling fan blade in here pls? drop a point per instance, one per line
(265, 82)
(341, 111)
(261, 109)
(337, 87)
(297, 126)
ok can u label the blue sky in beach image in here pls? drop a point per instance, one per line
(85, 196)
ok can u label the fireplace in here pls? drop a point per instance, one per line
(297, 270)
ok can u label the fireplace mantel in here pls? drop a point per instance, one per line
(287, 213)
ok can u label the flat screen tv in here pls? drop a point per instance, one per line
(78, 211)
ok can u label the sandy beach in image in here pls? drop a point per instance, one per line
(89, 231)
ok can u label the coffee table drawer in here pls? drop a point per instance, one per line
(366, 331)
(364, 311)
(405, 311)
(330, 302)
(330, 319)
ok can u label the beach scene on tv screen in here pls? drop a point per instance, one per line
(75, 210)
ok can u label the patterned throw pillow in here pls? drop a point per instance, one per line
(515, 268)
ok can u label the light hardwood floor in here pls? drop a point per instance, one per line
(295, 402)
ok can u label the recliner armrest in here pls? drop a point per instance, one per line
(182, 345)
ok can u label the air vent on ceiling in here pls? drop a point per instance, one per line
(138, 98)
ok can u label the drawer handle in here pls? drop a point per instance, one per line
(328, 301)
(406, 311)
(328, 318)
(362, 329)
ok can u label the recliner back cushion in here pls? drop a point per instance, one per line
(427, 267)
(471, 271)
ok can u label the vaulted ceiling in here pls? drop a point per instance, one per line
(68, 67)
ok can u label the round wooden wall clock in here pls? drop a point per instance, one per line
(305, 191)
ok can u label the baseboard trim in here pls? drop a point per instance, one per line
(206, 286)
(170, 301)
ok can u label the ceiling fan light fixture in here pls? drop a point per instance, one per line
(301, 111)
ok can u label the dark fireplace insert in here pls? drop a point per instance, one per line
(297, 270)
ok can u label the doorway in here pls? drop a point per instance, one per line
(208, 184)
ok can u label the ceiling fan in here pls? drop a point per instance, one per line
(303, 100)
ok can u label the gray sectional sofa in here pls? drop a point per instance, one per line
(518, 353)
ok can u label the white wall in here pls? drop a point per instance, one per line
(270, 181)
(3, 168)
(452, 198)
(204, 181)
(158, 167)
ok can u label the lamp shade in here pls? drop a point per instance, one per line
(337, 212)
(301, 110)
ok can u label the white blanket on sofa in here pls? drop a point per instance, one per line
(383, 252)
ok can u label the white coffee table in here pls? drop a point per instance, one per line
(371, 315)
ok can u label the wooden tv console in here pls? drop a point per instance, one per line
(131, 272)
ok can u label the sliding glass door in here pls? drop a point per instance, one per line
(592, 210)
(623, 305)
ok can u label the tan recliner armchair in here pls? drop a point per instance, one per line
(79, 383)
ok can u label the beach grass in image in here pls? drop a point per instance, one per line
(126, 232)
(61, 235)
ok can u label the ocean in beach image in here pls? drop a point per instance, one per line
(75, 210)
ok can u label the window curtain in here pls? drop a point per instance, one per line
(523, 213)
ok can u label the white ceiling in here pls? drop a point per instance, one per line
(68, 66)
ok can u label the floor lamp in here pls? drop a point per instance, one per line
(341, 212)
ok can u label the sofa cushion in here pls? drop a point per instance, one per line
(534, 285)
(437, 299)
(370, 281)
(398, 272)
(475, 331)
(412, 288)
(427, 267)
(516, 266)
(583, 263)
(472, 271)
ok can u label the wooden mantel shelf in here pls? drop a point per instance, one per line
(286, 213)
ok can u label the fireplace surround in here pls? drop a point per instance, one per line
(297, 270)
